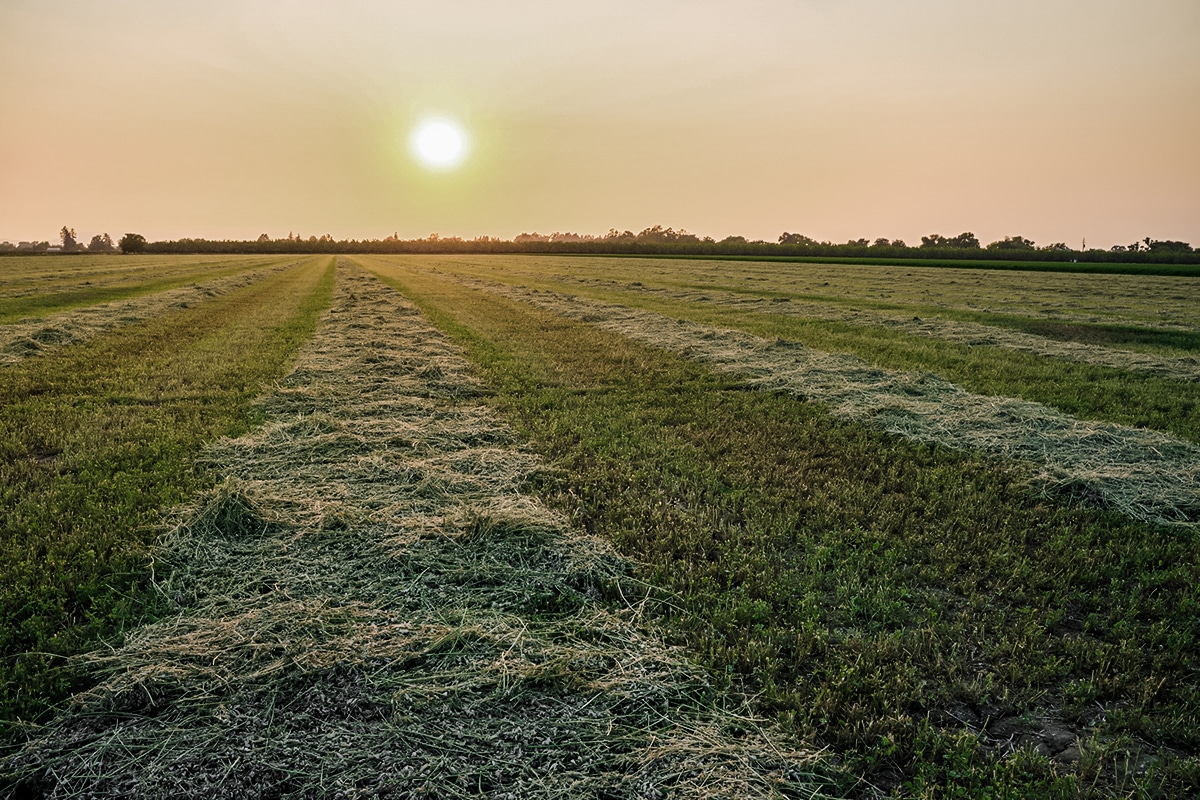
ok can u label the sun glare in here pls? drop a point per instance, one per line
(439, 143)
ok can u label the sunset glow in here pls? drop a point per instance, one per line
(1056, 121)
(439, 143)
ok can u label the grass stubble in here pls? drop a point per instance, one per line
(95, 439)
(1147, 382)
(1144, 474)
(371, 604)
(36, 334)
(948, 631)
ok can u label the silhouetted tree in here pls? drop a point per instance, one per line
(1012, 243)
(1169, 247)
(965, 241)
(67, 235)
(796, 239)
(101, 243)
(132, 243)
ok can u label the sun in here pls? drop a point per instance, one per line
(439, 143)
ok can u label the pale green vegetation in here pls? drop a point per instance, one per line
(37, 286)
(1085, 390)
(1022, 298)
(946, 629)
(556, 565)
(371, 606)
(97, 438)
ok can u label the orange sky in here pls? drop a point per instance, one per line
(1051, 119)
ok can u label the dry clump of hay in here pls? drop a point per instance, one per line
(369, 607)
(975, 334)
(1144, 474)
(31, 336)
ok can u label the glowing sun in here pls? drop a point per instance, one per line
(439, 143)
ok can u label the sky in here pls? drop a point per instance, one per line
(1057, 120)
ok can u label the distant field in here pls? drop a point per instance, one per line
(937, 529)
(31, 287)
(951, 628)
(99, 437)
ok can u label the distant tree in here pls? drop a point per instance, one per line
(965, 241)
(1169, 247)
(1012, 243)
(1057, 247)
(132, 243)
(262, 237)
(881, 242)
(898, 243)
(858, 243)
(101, 243)
(67, 235)
(796, 239)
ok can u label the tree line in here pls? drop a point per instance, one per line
(658, 240)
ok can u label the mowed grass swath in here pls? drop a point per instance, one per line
(375, 608)
(99, 437)
(941, 624)
(35, 287)
(947, 628)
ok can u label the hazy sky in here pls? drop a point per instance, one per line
(1051, 119)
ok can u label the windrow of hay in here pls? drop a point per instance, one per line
(370, 606)
(21, 276)
(1144, 474)
(1167, 303)
(28, 337)
(975, 334)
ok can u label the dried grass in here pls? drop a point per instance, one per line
(31, 336)
(1144, 474)
(975, 334)
(370, 607)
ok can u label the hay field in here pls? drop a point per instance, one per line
(929, 579)
(370, 605)
(99, 435)
(558, 527)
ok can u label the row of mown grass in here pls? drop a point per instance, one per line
(1075, 308)
(876, 595)
(81, 290)
(1169, 341)
(96, 439)
(1087, 391)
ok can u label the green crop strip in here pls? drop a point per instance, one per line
(1084, 390)
(133, 284)
(95, 439)
(878, 596)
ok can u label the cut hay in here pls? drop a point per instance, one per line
(1144, 474)
(31, 336)
(369, 606)
(974, 334)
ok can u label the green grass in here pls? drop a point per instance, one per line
(1083, 390)
(1080, 267)
(875, 595)
(1147, 302)
(87, 288)
(97, 439)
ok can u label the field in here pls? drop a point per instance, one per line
(597, 527)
